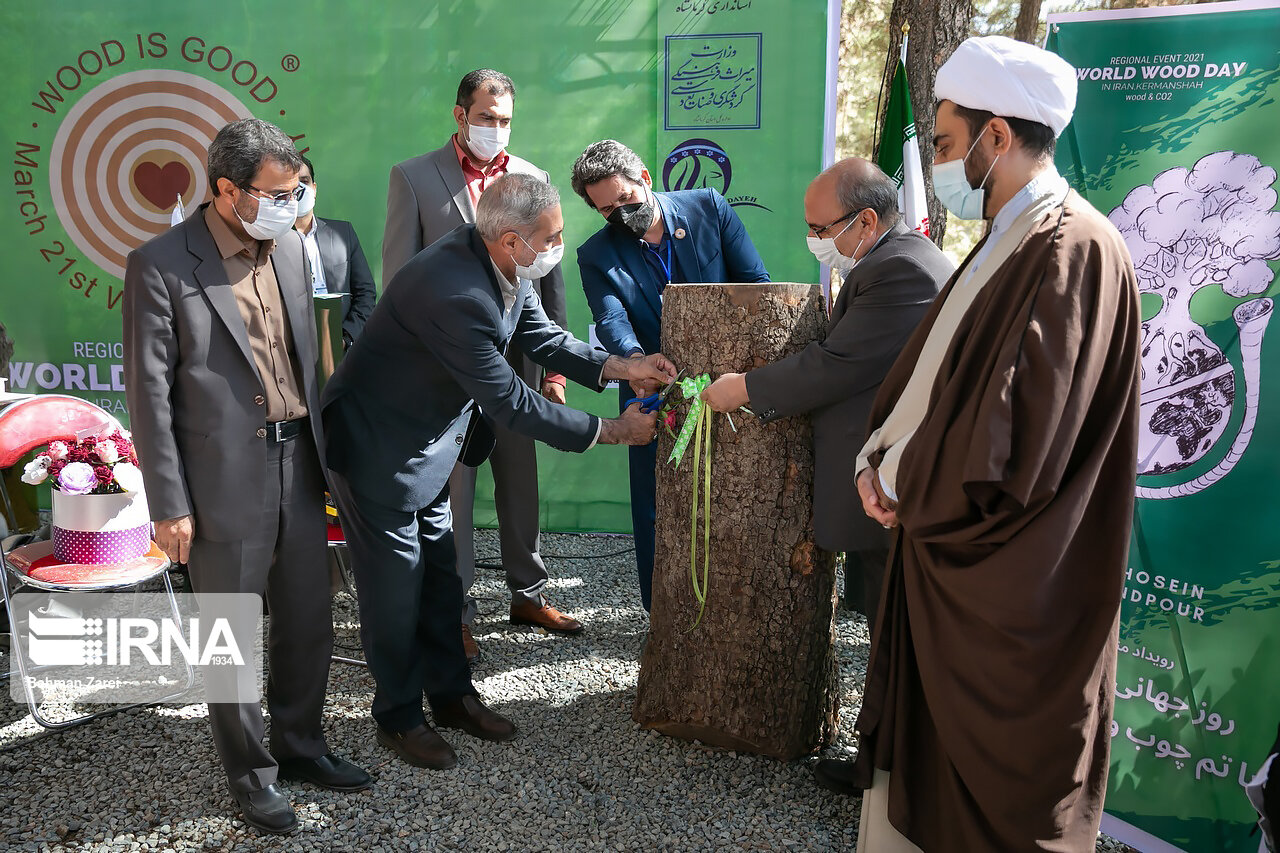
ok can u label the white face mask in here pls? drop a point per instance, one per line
(273, 221)
(307, 203)
(824, 249)
(486, 142)
(543, 262)
(951, 186)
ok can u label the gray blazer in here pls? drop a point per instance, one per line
(196, 404)
(835, 380)
(427, 198)
(397, 408)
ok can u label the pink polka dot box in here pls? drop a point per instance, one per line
(99, 529)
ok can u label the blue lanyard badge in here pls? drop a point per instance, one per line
(665, 264)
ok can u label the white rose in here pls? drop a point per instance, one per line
(107, 452)
(128, 477)
(58, 450)
(36, 471)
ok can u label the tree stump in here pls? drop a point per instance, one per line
(758, 674)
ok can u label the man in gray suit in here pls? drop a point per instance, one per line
(219, 358)
(891, 275)
(418, 391)
(427, 198)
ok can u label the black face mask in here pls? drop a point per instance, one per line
(633, 219)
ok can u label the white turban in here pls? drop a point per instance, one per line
(1009, 78)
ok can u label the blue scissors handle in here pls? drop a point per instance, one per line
(647, 404)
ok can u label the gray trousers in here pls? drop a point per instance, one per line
(284, 558)
(515, 479)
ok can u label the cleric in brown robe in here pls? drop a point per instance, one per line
(1003, 450)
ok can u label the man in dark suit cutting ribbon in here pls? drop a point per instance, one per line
(426, 379)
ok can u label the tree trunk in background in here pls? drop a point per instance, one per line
(937, 28)
(1028, 21)
(758, 674)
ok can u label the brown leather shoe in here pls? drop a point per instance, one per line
(547, 616)
(421, 747)
(469, 646)
(470, 714)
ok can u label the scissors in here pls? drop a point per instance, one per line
(654, 401)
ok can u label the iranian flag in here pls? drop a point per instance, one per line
(899, 155)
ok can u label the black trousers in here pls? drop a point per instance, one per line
(864, 572)
(284, 558)
(410, 596)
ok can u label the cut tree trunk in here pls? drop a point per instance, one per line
(758, 673)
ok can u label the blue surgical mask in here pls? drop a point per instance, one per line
(951, 186)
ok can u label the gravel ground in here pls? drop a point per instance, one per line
(581, 775)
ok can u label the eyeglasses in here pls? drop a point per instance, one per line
(279, 199)
(819, 230)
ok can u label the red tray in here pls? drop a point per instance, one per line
(36, 565)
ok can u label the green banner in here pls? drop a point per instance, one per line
(109, 108)
(1174, 137)
(740, 105)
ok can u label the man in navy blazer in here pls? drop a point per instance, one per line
(652, 240)
(421, 384)
(337, 262)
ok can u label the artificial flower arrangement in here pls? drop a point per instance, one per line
(667, 417)
(93, 465)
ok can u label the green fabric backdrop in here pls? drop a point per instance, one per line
(363, 86)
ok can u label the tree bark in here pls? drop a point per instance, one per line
(1028, 21)
(937, 29)
(758, 674)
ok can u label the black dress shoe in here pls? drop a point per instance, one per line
(327, 771)
(268, 810)
(470, 714)
(836, 774)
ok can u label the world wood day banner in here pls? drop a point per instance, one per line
(109, 108)
(1174, 138)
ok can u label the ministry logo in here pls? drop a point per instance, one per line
(700, 163)
(127, 151)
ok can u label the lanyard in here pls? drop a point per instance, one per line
(666, 265)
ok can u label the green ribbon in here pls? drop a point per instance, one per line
(691, 388)
(697, 426)
(700, 589)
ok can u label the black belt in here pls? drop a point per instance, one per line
(282, 431)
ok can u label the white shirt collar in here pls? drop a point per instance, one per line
(312, 247)
(1048, 182)
(509, 291)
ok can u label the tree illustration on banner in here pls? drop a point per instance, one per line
(1208, 227)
